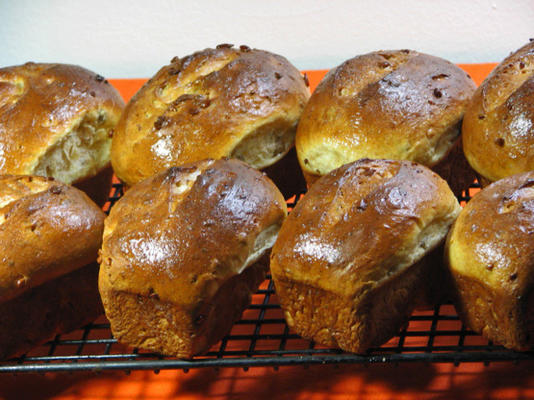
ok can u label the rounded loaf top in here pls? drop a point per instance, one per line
(363, 224)
(491, 241)
(498, 127)
(397, 104)
(225, 102)
(181, 234)
(55, 120)
(47, 229)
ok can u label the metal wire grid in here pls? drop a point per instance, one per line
(262, 338)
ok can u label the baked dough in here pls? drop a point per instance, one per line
(349, 264)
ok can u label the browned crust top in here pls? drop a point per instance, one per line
(47, 229)
(181, 244)
(492, 239)
(351, 230)
(386, 104)
(201, 106)
(40, 103)
(498, 128)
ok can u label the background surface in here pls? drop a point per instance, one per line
(127, 39)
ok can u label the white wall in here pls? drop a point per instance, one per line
(134, 38)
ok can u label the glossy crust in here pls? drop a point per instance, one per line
(349, 263)
(490, 253)
(41, 103)
(399, 105)
(498, 128)
(47, 229)
(177, 266)
(207, 105)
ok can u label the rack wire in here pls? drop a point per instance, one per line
(262, 338)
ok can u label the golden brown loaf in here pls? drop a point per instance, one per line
(225, 102)
(49, 232)
(399, 105)
(490, 252)
(498, 127)
(56, 121)
(349, 262)
(184, 250)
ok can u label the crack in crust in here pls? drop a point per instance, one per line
(518, 69)
(215, 103)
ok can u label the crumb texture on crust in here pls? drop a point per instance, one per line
(352, 324)
(399, 105)
(56, 120)
(360, 229)
(490, 255)
(225, 102)
(498, 127)
(161, 326)
(82, 152)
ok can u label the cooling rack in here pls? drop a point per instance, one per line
(262, 338)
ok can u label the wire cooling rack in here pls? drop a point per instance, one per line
(262, 338)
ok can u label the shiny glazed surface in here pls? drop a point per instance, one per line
(181, 234)
(386, 104)
(39, 103)
(47, 229)
(491, 240)
(202, 106)
(358, 225)
(498, 128)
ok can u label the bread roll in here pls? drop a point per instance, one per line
(490, 252)
(184, 250)
(56, 121)
(349, 262)
(225, 102)
(498, 128)
(399, 105)
(50, 234)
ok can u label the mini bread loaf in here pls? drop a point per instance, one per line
(349, 264)
(50, 234)
(490, 253)
(184, 250)
(56, 120)
(225, 102)
(498, 128)
(400, 105)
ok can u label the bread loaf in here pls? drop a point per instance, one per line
(56, 120)
(50, 234)
(401, 105)
(349, 264)
(184, 250)
(226, 102)
(490, 253)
